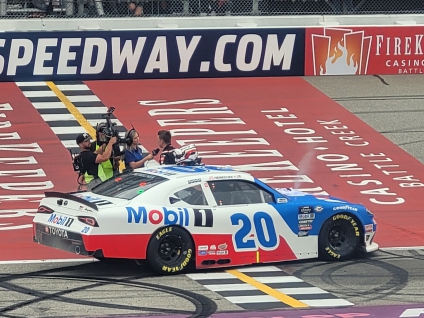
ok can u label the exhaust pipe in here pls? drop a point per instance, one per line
(77, 250)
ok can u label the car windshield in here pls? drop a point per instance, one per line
(128, 186)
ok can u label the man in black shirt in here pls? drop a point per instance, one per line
(167, 156)
(90, 160)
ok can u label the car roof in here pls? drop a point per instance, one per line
(213, 172)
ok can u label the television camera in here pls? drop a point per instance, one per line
(104, 132)
(107, 130)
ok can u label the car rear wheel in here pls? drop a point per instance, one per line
(170, 250)
(339, 238)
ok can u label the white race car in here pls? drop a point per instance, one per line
(209, 216)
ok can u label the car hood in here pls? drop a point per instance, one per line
(299, 196)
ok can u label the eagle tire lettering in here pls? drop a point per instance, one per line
(170, 250)
(339, 238)
(203, 217)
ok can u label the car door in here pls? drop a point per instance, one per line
(193, 199)
(245, 210)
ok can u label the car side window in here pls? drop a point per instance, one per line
(232, 192)
(193, 195)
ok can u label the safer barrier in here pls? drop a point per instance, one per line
(241, 52)
(151, 54)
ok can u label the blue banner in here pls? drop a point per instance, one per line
(138, 54)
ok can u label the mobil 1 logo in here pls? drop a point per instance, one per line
(203, 217)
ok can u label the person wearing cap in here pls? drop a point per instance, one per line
(91, 160)
(111, 166)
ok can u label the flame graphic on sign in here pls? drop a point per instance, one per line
(340, 64)
(340, 52)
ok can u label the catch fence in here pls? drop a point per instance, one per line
(23, 9)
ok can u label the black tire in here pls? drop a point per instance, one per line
(339, 238)
(170, 250)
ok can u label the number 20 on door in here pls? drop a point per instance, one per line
(255, 233)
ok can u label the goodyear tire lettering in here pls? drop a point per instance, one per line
(345, 243)
(335, 255)
(183, 256)
(164, 231)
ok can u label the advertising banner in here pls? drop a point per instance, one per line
(151, 54)
(364, 50)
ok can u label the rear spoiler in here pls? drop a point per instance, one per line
(68, 196)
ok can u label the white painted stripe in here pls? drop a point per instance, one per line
(302, 291)
(278, 279)
(36, 261)
(259, 269)
(76, 87)
(56, 117)
(68, 130)
(22, 84)
(48, 105)
(38, 93)
(402, 248)
(327, 302)
(70, 143)
(252, 299)
(199, 276)
(94, 122)
(83, 98)
(93, 110)
(230, 287)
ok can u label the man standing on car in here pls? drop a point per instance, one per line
(164, 140)
(90, 160)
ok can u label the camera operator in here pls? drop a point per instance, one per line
(167, 156)
(111, 166)
(90, 160)
(133, 154)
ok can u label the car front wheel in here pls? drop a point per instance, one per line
(339, 238)
(170, 250)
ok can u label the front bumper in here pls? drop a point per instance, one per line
(61, 239)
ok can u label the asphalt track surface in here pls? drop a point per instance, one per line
(392, 105)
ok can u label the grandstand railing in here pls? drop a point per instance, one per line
(22, 9)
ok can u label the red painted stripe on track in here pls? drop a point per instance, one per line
(247, 97)
(54, 160)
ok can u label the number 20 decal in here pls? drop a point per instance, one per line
(264, 234)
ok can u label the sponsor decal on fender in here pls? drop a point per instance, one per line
(369, 228)
(223, 246)
(162, 216)
(318, 208)
(345, 208)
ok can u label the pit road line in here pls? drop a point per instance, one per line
(76, 113)
(268, 290)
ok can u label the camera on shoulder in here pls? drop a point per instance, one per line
(108, 128)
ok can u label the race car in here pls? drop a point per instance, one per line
(208, 216)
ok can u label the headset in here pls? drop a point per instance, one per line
(130, 135)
